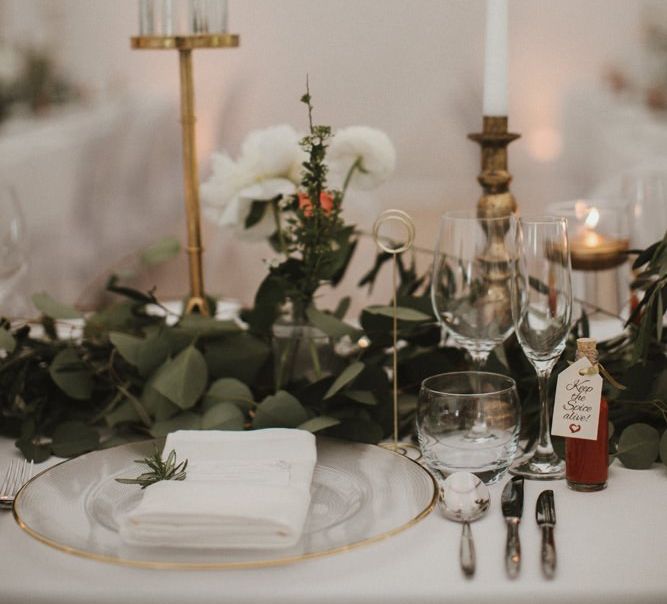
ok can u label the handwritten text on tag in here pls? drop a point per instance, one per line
(577, 404)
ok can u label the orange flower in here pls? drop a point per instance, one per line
(326, 203)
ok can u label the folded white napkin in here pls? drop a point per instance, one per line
(242, 490)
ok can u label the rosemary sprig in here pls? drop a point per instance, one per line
(160, 470)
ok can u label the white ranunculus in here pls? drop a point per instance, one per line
(268, 166)
(234, 213)
(271, 152)
(227, 179)
(372, 147)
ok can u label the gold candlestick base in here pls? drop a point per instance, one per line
(185, 45)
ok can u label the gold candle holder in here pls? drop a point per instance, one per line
(496, 202)
(185, 45)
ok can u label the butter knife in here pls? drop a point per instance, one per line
(545, 514)
(512, 506)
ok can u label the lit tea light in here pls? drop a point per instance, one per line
(593, 251)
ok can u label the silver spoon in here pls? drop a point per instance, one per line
(464, 498)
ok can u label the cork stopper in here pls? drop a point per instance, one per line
(587, 347)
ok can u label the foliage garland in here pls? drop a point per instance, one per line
(133, 372)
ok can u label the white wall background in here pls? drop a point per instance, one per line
(410, 67)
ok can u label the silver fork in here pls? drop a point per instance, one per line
(16, 476)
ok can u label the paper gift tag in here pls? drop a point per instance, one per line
(577, 404)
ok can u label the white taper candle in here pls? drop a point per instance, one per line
(495, 64)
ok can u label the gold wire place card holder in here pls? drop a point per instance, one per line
(395, 247)
(186, 26)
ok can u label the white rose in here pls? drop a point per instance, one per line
(371, 147)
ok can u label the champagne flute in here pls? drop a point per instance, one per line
(470, 288)
(542, 312)
(13, 252)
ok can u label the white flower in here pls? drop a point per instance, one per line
(267, 168)
(234, 213)
(271, 152)
(371, 147)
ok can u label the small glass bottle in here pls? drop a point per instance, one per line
(587, 461)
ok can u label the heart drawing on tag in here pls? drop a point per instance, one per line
(574, 428)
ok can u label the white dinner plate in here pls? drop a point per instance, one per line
(360, 494)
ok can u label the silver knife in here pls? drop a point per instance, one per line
(512, 506)
(545, 514)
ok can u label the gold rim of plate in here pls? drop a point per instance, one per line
(229, 565)
(222, 40)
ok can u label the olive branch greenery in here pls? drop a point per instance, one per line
(159, 470)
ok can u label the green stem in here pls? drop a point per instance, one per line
(279, 226)
(315, 357)
(355, 166)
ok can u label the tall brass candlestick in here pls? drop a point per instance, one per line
(185, 45)
(496, 202)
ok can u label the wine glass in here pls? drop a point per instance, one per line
(470, 289)
(542, 312)
(470, 285)
(13, 251)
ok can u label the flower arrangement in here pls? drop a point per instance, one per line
(279, 190)
(137, 373)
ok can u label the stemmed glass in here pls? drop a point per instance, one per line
(542, 312)
(470, 281)
(13, 251)
(470, 287)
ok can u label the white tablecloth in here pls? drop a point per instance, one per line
(611, 547)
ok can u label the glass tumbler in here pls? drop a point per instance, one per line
(450, 404)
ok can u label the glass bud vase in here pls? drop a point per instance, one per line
(300, 351)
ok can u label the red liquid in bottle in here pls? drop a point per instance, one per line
(587, 461)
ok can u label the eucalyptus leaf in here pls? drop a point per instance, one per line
(129, 347)
(329, 324)
(663, 448)
(316, 424)
(54, 309)
(157, 405)
(223, 416)
(123, 413)
(343, 307)
(7, 341)
(183, 421)
(358, 429)
(154, 351)
(346, 377)
(74, 438)
(32, 451)
(638, 446)
(183, 379)
(239, 356)
(228, 390)
(282, 410)
(71, 375)
(161, 251)
(207, 326)
(402, 313)
(365, 397)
